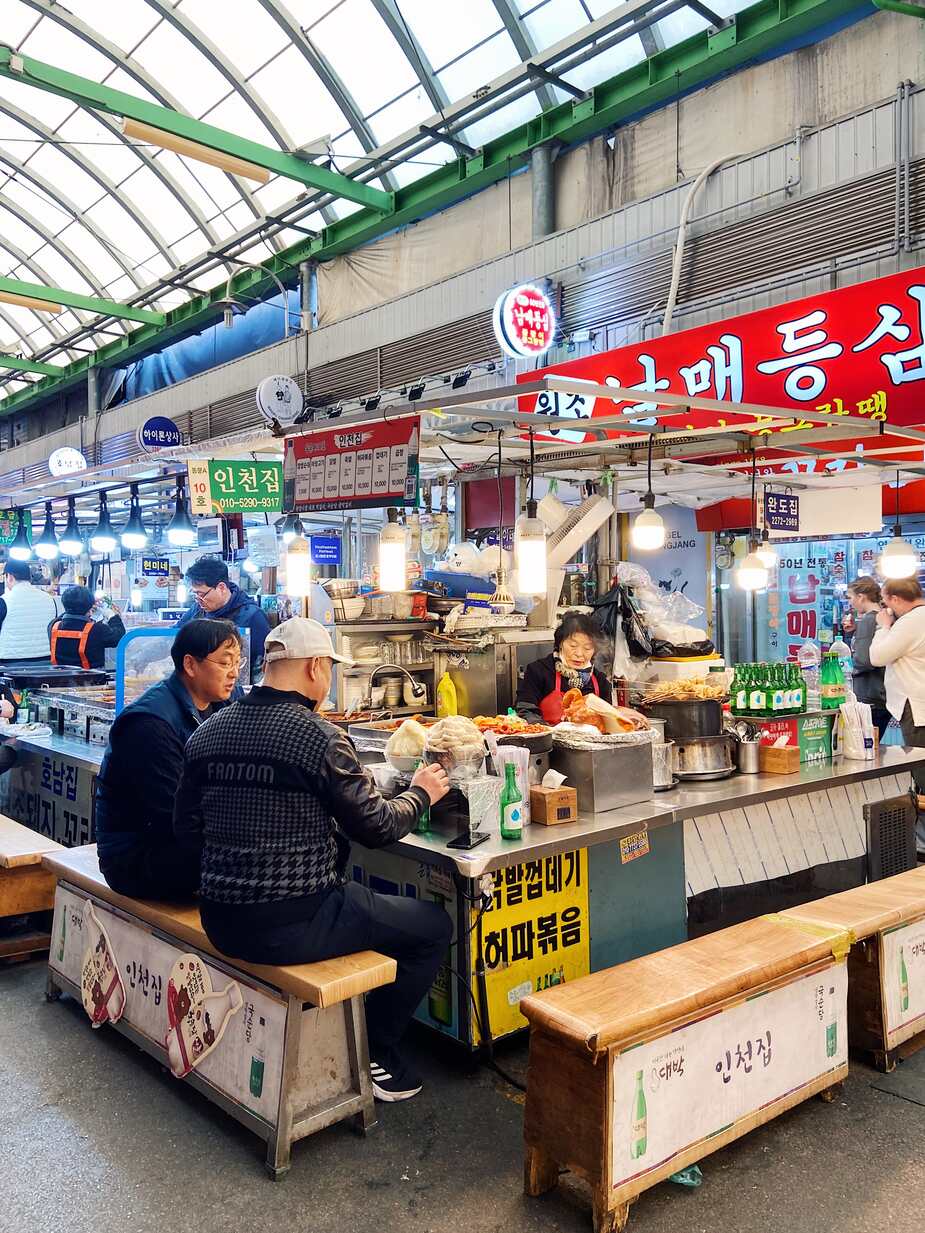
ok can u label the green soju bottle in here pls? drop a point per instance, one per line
(639, 1132)
(512, 812)
(903, 981)
(831, 1024)
(757, 692)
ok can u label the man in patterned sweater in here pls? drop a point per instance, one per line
(270, 796)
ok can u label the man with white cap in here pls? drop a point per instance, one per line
(270, 797)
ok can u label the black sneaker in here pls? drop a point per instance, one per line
(392, 1079)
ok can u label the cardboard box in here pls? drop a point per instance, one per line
(553, 806)
(783, 761)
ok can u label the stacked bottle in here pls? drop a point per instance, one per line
(768, 690)
(832, 690)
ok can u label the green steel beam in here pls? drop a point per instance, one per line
(13, 361)
(755, 32)
(88, 93)
(108, 308)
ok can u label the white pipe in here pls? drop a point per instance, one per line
(682, 235)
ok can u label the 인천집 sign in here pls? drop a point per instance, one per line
(367, 467)
(225, 487)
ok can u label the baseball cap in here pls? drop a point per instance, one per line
(301, 638)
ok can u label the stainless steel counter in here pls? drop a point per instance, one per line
(79, 752)
(737, 792)
(537, 841)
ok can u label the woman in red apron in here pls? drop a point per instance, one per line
(570, 666)
(75, 639)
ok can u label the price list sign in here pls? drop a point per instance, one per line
(353, 468)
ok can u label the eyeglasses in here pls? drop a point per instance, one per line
(200, 595)
(226, 664)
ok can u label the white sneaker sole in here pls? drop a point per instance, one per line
(390, 1097)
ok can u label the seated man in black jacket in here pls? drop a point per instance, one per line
(266, 785)
(141, 767)
(76, 640)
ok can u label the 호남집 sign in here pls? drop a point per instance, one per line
(223, 486)
(367, 467)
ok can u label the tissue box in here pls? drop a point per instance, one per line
(552, 806)
(782, 761)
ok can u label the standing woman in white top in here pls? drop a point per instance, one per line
(899, 646)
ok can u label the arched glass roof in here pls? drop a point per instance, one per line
(86, 208)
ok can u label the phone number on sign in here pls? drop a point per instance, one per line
(270, 505)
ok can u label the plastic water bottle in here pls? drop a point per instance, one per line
(809, 658)
(840, 648)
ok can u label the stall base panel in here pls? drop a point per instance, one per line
(636, 903)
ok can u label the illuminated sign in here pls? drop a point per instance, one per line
(524, 321)
(66, 461)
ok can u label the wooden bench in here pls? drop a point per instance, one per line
(293, 1058)
(24, 885)
(886, 968)
(641, 1070)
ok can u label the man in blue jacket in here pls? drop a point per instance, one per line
(218, 599)
(144, 759)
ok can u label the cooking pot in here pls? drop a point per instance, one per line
(704, 757)
(685, 720)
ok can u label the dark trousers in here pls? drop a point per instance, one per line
(881, 719)
(153, 871)
(914, 735)
(350, 918)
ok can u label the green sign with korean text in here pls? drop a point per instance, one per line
(9, 525)
(225, 486)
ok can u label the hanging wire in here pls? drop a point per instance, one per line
(532, 465)
(754, 509)
(651, 443)
(500, 505)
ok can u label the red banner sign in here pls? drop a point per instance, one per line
(857, 352)
(367, 467)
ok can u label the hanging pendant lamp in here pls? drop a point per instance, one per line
(898, 559)
(530, 545)
(46, 546)
(71, 541)
(103, 537)
(20, 549)
(181, 533)
(752, 574)
(648, 531)
(134, 536)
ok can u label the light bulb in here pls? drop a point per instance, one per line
(530, 553)
(250, 567)
(134, 536)
(182, 592)
(298, 568)
(767, 555)
(46, 546)
(291, 528)
(393, 555)
(103, 537)
(648, 531)
(898, 559)
(752, 574)
(71, 542)
(20, 549)
(136, 597)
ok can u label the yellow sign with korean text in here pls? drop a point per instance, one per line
(534, 934)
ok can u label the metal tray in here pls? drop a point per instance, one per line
(697, 776)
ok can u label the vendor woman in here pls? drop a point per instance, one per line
(570, 666)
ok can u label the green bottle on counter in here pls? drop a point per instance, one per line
(512, 813)
(758, 690)
(831, 682)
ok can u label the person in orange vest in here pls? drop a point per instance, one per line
(76, 639)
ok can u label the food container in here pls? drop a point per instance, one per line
(407, 765)
(402, 605)
(662, 765)
(419, 606)
(349, 608)
(606, 777)
(748, 757)
(704, 757)
(380, 607)
(689, 719)
(341, 588)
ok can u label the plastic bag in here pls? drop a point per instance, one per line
(691, 1176)
(680, 609)
(661, 649)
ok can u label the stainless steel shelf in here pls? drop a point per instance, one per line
(366, 669)
(344, 627)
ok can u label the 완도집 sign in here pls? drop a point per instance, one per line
(781, 511)
(158, 433)
(227, 487)
(367, 467)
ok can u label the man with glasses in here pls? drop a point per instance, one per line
(144, 759)
(217, 599)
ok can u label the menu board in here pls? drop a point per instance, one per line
(366, 467)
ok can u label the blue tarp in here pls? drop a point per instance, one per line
(259, 326)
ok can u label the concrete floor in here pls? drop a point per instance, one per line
(98, 1139)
